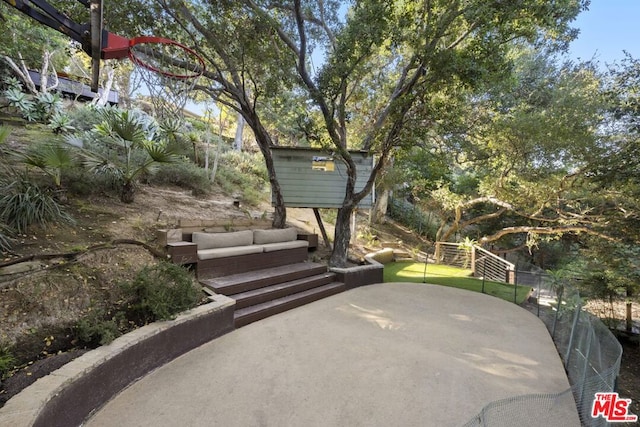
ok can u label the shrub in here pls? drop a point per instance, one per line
(41, 107)
(61, 123)
(5, 237)
(47, 105)
(244, 174)
(413, 217)
(7, 360)
(184, 174)
(160, 292)
(81, 182)
(250, 164)
(10, 82)
(100, 327)
(19, 100)
(25, 204)
(84, 118)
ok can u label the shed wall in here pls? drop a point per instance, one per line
(313, 179)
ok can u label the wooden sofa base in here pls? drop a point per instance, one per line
(218, 267)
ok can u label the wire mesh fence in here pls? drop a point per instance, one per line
(591, 355)
(553, 409)
(590, 352)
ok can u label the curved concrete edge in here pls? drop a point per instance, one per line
(361, 275)
(381, 257)
(70, 394)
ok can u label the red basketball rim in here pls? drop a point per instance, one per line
(160, 40)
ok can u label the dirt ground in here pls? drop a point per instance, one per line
(39, 299)
(75, 266)
(629, 379)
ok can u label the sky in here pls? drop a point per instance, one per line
(607, 29)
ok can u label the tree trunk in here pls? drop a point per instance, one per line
(264, 143)
(237, 142)
(22, 72)
(128, 190)
(206, 156)
(45, 87)
(342, 237)
(380, 207)
(216, 158)
(103, 97)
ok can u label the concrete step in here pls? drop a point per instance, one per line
(279, 290)
(243, 282)
(247, 315)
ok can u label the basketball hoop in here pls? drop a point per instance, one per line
(169, 69)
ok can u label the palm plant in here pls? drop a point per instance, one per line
(131, 154)
(467, 245)
(51, 158)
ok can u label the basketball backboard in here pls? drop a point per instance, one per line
(101, 44)
(95, 24)
(89, 35)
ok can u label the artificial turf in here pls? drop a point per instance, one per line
(445, 275)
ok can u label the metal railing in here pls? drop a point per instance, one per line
(481, 262)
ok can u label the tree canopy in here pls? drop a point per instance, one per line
(393, 77)
(386, 65)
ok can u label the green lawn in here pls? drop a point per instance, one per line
(450, 276)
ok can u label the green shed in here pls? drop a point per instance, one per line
(311, 178)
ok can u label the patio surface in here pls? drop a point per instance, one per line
(397, 354)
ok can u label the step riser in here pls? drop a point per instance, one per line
(268, 281)
(280, 292)
(242, 320)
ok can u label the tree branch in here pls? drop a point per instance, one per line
(73, 255)
(546, 230)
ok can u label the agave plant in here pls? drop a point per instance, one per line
(61, 123)
(132, 153)
(19, 100)
(47, 105)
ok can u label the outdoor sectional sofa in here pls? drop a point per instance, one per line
(223, 254)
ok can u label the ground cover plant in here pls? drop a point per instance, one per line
(454, 277)
(92, 269)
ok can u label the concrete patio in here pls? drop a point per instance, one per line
(387, 354)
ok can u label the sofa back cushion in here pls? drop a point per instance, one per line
(261, 237)
(222, 240)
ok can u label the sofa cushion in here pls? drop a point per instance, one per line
(228, 252)
(272, 247)
(261, 237)
(222, 240)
